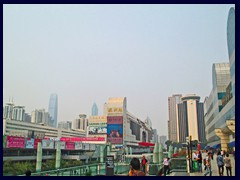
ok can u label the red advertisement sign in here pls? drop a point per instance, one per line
(115, 120)
(15, 142)
(115, 129)
(36, 141)
(79, 139)
(70, 145)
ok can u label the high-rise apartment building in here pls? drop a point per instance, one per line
(80, 123)
(8, 109)
(172, 124)
(65, 125)
(190, 119)
(40, 116)
(94, 110)
(18, 113)
(53, 109)
(27, 118)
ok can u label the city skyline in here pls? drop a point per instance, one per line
(89, 53)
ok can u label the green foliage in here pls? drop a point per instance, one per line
(17, 168)
(88, 172)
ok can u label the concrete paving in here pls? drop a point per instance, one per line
(215, 167)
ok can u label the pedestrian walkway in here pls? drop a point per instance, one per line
(215, 167)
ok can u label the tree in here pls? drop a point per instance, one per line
(168, 143)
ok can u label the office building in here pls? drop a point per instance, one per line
(219, 107)
(94, 110)
(53, 109)
(172, 124)
(190, 119)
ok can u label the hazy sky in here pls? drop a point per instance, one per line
(88, 53)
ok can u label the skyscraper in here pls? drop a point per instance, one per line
(8, 110)
(219, 107)
(190, 119)
(53, 109)
(94, 110)
(18, 113)
(172, 127)
(40, 116)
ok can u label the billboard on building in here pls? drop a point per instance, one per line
(35, 134)
(47, 144)
(29, 143)
(97, 125)
(62, 144)
(15, 142)
(78, 145)
(36, 141)
(97, 130)
(70, 145)
(115, 129)
(80, 139)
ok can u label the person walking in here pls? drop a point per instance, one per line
(220, 163)
(228, 165)
(144, 163)
(208, 164)
(199, 160)
(166, 166)
(135, 168)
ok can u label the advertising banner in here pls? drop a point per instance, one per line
(29, 143)
(15, 142)
(78, 145)
(80, 139)
(46, 144)
(35, 134)
(115, 129)
(97, 130)
(36, 141)
(70, 145)
(62, 144)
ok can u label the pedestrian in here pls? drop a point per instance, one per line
(144, 163)
(135, 168)
(228, 165)
(166, 166)
(199, 160)
(28, 173)
(208, 164)
(220, 163)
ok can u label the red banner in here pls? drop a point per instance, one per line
(15, 142)
(79, 139)
(36, 141)
(70, 145)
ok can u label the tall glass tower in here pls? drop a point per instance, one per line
(94, 109)
(53, 109)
